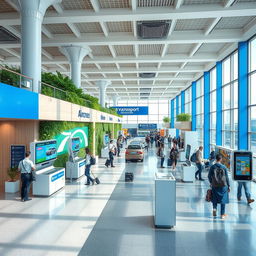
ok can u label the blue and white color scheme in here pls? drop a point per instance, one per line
(132, 110)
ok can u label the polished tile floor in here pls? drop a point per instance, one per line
(116, 218)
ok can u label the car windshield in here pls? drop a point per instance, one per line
(134, 147)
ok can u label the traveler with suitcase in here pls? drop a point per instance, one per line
(111, 148)
(174, 154)
(88, 163)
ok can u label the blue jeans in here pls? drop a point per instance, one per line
(246, 190)
(111, 158)
(25, 187)
(162, 161)
(87, 174)
(222, 208)
(199, 170)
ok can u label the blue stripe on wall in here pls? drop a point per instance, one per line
(177, 112)
(193, 106)
(219, 103)
(183, 102)
(172, 113)
(243, 95)
(206, 124)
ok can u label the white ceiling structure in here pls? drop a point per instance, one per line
(201, 32)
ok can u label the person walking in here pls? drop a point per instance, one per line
(151, 140)
(174, 154)
(246, 185)
(218, 178)
(161, 155)
(26, 166)
(111, 150)
(212, 157)
(118, 145)
(88, 167)
(199, 163)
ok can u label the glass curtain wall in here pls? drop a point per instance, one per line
(213, 109)
(252, 94)
(188, 100)
(230, 101)
(158, 109)
(200, 109)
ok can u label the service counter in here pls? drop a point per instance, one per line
(76, 169)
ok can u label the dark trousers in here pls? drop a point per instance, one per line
(162, 161)
(199, 170)
(87, 174)
(222, 208)
(118, 151)
(111, 158)
(25, 187)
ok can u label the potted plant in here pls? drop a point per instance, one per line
(183, 122)
(12, 185)
(166, 121)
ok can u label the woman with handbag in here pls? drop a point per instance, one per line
(174, 154)
(26, 167)
(218, 178)
(88, 158)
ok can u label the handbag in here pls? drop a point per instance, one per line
(208, 196)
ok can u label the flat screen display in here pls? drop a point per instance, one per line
(45, 151)
(226, 156)
(242, 166)
(188, 149)
(75, 144)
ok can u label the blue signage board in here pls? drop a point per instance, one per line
(57, 176)
(18, 103)
(147, 126)
(132, 111)
(17, 154)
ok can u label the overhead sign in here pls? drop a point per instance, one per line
(132, 111)
(83, 114)
(147, 126)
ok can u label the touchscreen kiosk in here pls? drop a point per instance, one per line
(188, 150)
(242, 165)
(75, 146)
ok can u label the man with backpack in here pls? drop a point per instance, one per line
(218, 178)
(199, 163)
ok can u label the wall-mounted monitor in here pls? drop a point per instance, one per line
(188, 150)
(75, 144)
(45, 151)
(242, 165)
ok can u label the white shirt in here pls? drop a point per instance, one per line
(111, 147)
(87, 159)
(26, 165)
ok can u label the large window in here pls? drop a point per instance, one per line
(158, 109)
(213, 106)
(230, 101)
(200, 109)
(188, 100)
(252, 94)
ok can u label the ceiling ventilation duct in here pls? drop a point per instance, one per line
(153, 29)
(147, 75)
(7, 37)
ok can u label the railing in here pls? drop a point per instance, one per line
(52, 91)
(15, 79)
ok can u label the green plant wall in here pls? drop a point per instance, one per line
(49, 129)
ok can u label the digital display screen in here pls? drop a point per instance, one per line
(242, 165)
(225, 156)
(45, 151)
(75, 144)
(188, 149)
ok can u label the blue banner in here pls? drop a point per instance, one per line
(18, 103)
(131, 111)
(147, 126)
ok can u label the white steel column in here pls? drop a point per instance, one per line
(32, 13)
(75, 55)
(115, 99)
(102, 84)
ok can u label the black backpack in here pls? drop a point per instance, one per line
(219, 179)
(193, 157)
(92, 160)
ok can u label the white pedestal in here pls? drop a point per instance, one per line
(188, 173)
(12, 186)
(104, 152)
(49, 181)
(75, 170)
(165, 200)
(182, 156)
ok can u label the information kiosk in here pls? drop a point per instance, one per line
(242, 165)
(49, 179)
(187, 169)
(75, 167)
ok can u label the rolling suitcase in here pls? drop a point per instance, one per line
(169, 162)
(107, 163)
(128, 176)
(96, 179)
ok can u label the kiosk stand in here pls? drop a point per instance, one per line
(49, 179)
(188, 170)
(75, 166)
(191, 138)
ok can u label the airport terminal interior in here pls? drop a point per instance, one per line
(127, 127)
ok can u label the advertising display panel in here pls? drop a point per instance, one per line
(242, 169)
(45, 151)
(75, 144)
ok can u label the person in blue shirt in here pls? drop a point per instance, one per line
(218, 178)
